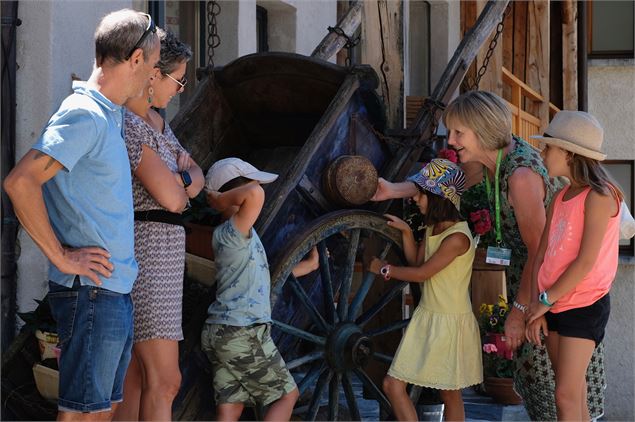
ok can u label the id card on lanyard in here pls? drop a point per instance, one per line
(497, 254)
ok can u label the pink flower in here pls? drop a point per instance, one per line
(482, 221)
(448, 154)
(489, 348)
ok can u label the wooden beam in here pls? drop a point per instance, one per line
(519, 67)
(492, 79)
(468, 18)
(382, 48)
(538, 57)
(332, 43)
(570, 54)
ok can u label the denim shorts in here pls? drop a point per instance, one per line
(95, 332)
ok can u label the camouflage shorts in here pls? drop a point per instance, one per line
(247, 365)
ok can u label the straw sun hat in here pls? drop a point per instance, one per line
(577, 132)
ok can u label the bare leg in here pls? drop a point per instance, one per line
(129, 408)
(281, 409)
(401, 404)
(78, 416)
(584, 409)
(159, 360)
(453, 405)
(574, 355)
(229, 412)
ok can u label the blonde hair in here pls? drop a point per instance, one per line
(589, 172)
(484, 113)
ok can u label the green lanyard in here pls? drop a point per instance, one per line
(499, 237)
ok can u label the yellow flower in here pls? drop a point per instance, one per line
(483, 308)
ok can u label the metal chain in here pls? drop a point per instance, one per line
(469, 83)
(350, 42)
(213, 39)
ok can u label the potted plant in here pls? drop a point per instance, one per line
(498, 364)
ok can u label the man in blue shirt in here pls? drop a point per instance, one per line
(72, 193)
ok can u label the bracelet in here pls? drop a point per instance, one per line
(385, 271)
(521, 308)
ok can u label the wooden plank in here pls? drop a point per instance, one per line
(520, 39)
(492, 79)
(468, 18)
(382, 48)
(332, 43)
(570, 54)
(538, 57)
(508, 46)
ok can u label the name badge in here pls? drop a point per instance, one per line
(499, 256)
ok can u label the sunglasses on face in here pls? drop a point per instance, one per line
(182, 82)
(151, 29)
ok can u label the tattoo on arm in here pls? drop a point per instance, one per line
(40, 154)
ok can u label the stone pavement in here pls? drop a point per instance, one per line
(483, 408)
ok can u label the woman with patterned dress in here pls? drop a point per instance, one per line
(479, 129)
(164, 179)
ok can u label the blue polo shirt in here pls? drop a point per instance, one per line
(89, 201)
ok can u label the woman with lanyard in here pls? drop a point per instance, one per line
(479, 129)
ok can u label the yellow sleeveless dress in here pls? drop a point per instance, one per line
(441, 347)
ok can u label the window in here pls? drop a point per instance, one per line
(610, 29)
(624, 174)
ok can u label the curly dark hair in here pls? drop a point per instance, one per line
(173, 52)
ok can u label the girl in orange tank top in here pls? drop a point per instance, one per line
(577, 257)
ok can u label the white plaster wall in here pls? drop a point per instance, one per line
(312, 21)
(237, 29)
(52, 43)
(281, 25)
(445, 35)
(612, 100)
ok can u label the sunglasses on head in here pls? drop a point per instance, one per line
(151, 29)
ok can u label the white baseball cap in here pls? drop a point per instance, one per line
(227, 169)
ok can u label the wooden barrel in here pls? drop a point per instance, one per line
(350, 180)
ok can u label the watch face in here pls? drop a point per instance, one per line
(187, 180)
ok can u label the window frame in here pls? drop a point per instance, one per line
(626, 250)
(604, 54)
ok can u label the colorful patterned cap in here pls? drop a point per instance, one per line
(442, 177)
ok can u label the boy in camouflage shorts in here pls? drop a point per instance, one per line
(248, 368)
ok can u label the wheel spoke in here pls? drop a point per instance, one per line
(306, 302)
(350, 398)
(327, 283)
(364, 288)
(347, 276)
(311, 414)
(294, 331)
(310, 377)
(383, 358)
(383, 301)
(388, 328)
(374, 389)
(334, 397)
(311, 357)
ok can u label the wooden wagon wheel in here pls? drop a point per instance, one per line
(334, 339)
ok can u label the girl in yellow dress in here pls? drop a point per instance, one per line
(441, 347)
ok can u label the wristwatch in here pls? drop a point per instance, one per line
(385, 271)
(185, 178)
(544, 299)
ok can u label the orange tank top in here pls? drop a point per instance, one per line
(565, 238)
